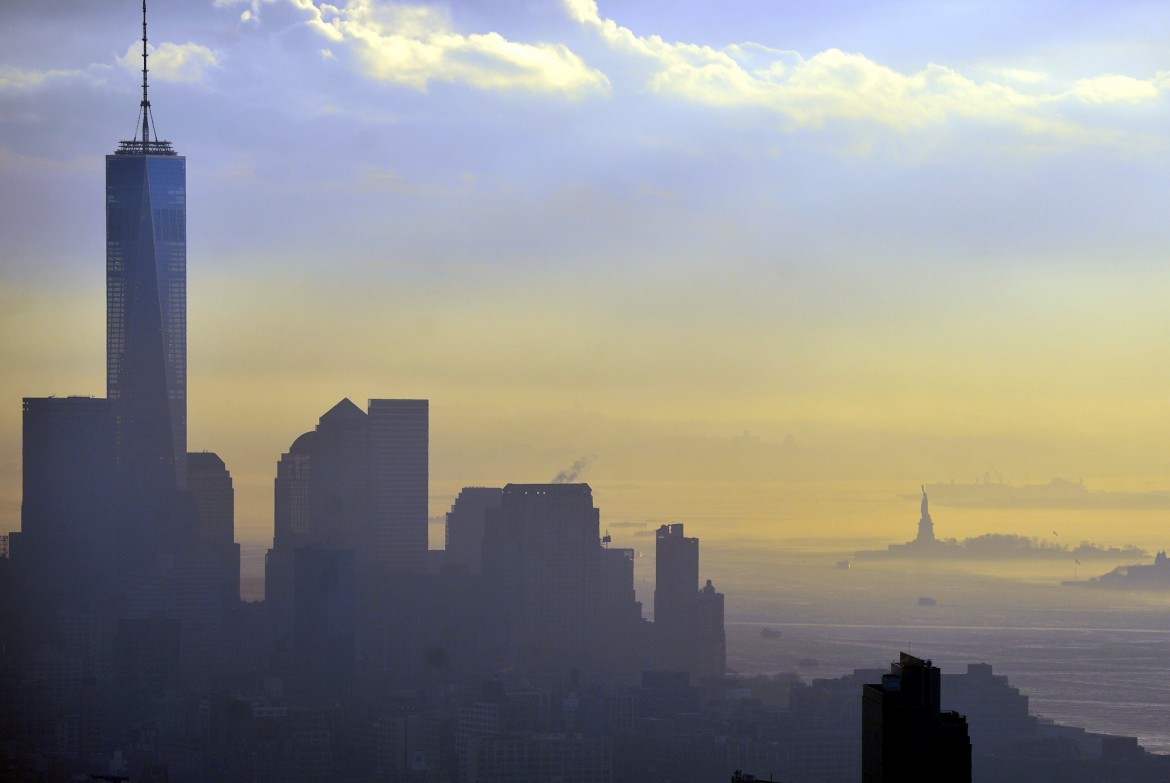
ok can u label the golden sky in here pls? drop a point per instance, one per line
(868, 242)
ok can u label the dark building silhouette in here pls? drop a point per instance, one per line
(146, 657)
(293, 514)
(711, 637)
(623, 630)
(324, 621)
(688, 622)
(399, 461)
(69, 539)
(905, 735)
(541, 558)
(358, 482)
(124, 584)
(464, 530)
(210, 486)
(676, 578)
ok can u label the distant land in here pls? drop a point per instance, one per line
(1002, 546)
(991, 546)
(1132, 577)
(1057, 493)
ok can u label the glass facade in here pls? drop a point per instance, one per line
(146, 310)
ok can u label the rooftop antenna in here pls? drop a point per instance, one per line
(150, 144)
(145, 100)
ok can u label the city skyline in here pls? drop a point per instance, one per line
(885, 242)
(134, 643)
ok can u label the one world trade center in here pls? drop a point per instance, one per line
(146, 303)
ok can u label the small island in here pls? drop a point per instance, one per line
(1132, 577)
(994, 546)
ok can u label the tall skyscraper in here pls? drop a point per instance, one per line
(541, 557)
(905, 735)
(399, 455)
(146, 302)
(676, 579)
(357, 482)
(210, 485)
(293, 514)
(688, 622)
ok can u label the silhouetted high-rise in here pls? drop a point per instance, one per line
(359, 481)
(676, 578)
(688, 622)
(210, 486)
(541, 555)
(68, 534)
(146, 302)
(324, 620)
(905, 735)
(465, 523)
(293, 514)
(399, 457)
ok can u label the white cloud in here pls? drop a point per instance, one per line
(1115, 89)
(415, 45)
(837, 85)
(30, 79)
(171, 62)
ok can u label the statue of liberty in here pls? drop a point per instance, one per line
(925, 524)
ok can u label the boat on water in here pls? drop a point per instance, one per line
(927, 601)
(771, 633)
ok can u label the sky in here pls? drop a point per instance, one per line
(747, 242)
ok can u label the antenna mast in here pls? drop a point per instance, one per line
(145, 99)
(151, 144)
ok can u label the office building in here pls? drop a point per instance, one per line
(711, 636)
(676, 580)
(324, 621)
(69, 538)
(210, 486)
(399, 462)
(621, 612)
(541, 558)
(905, 735)
(293, 513)
(359, 481)
(464, 531)
(146, 302)
(688, 622)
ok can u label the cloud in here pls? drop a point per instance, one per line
(16, 79)
(1115, 89)
(415, 45)
(837, 85)
(171, 62)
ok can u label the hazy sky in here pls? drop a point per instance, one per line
(888, 240)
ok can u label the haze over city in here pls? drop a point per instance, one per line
(438, 336)
(847, 241)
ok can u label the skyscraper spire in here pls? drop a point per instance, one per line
(145, 100)
(150, 143)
